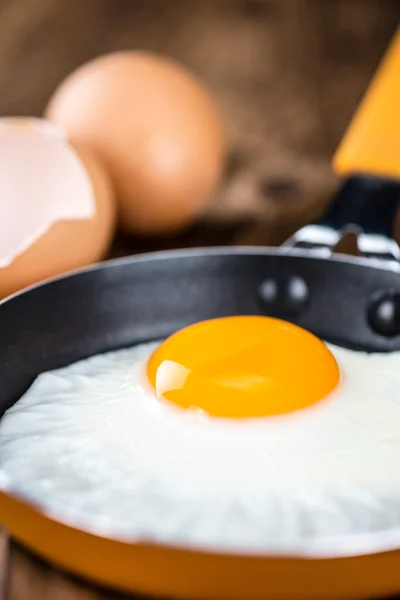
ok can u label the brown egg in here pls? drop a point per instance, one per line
(155, 127)
(57, 209)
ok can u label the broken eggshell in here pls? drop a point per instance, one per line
(57, 209)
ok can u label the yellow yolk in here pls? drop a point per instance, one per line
(243, 367)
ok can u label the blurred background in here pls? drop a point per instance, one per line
(288, 75)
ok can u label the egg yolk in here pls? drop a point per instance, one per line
(243, 367)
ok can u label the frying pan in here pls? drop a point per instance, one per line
(353, 302)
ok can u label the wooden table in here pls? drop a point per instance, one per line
(288, 75)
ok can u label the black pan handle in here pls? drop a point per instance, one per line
(364, 206)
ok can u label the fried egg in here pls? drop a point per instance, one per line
(177, 442)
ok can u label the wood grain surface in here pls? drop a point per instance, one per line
(288, 75)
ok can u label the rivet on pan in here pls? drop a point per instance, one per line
(297, 295)
(384, 313)
(269, 292)
(288, 297)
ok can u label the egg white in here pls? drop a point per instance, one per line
(90, 439)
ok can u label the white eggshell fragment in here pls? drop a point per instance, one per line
(57, 204)
(42, 180)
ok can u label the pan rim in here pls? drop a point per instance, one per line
(243, 250)
(333, 547)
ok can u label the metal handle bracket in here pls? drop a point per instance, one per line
(365, 206)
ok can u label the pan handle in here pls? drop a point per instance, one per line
(366, 207)
(369, 155)
(371, 143)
